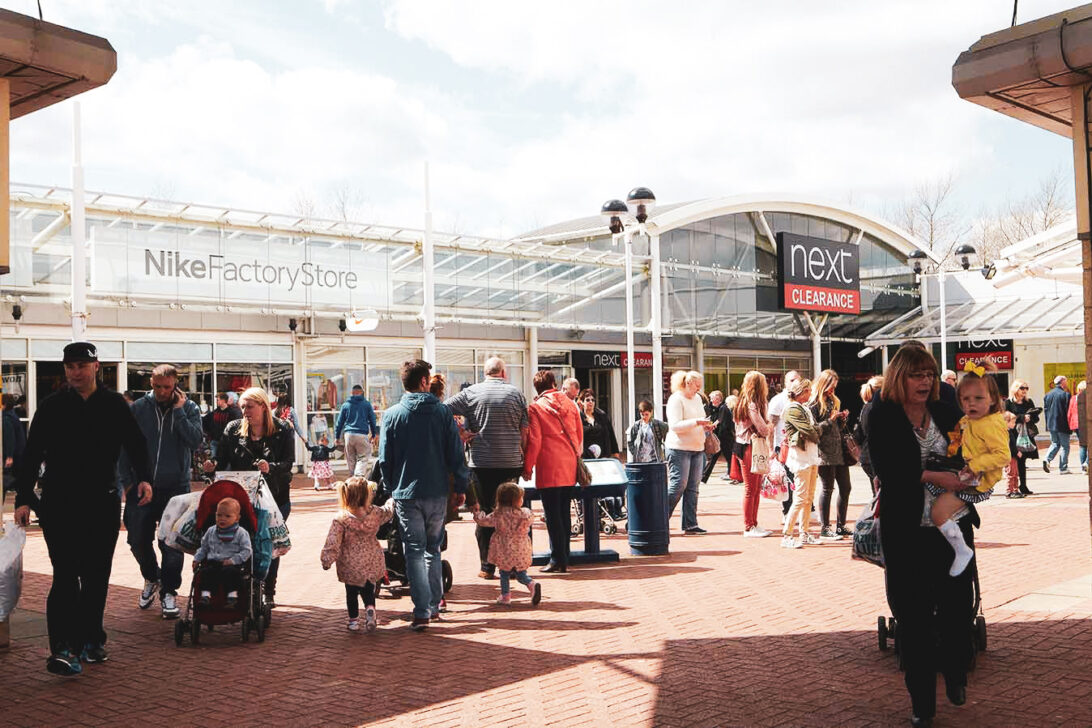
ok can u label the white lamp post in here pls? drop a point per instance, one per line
(625, 219)
(916, 258)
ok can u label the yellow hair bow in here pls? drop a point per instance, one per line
(970, 367)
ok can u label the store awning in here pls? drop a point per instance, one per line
(47, 63)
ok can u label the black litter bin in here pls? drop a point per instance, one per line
(646, 499)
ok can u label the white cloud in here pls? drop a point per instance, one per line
(529, 114)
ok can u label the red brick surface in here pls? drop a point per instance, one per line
(723, 632)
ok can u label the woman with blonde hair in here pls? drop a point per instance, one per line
(685, 446)
(259, 441)
(750, 418)
(824, 404)
(1025, 415)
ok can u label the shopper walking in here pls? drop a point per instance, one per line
(355, 430)
(1056, 415)
(1026, 417)
(554, 440)
(171, 424)
(259, 441)
(571, 389)
(217, 419)
(419, 447)
(687, 425)
(906, 424)
(750, 416)
(78, 433)
(802, 435)
(496, 412)
(824, 405)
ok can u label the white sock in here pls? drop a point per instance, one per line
(233, 595)
(206, 594)
(963, 552)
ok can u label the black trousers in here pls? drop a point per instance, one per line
(710, 462)
(828, 476)
(80, 536)
(927, 603)
(275, 565)
(215, 575)
(355, 593)
(489, 479)
(555, 508)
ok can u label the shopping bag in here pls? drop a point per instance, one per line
(866, 534)
(261, 498)
(777, 472)
(772, 490)
(760, 455)
(12, 540)
(181, 532)
(1024, 443)
(173, 513)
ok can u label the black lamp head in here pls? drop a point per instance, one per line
(965, 252)
(613, 210)
(915, 258)
(341, 325)
(639, 201)
(292, 324)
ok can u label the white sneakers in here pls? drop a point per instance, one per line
(147, 595)
(354, 625)
(755, 532)
(170, 606)
(369, 619)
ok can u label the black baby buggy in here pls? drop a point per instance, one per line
(251, 610)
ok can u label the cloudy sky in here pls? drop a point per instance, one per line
(533, 113)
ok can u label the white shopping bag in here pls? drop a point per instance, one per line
(11, 567)
(261, 498)
(178, 526)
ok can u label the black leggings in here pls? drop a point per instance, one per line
(828, 476)
(352, 593)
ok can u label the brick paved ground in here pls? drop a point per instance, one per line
(722, 632)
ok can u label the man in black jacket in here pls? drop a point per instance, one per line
(78, 433)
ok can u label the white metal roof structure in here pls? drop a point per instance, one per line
(716, 283)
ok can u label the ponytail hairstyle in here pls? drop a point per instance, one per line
(983, 373)
(354, 493)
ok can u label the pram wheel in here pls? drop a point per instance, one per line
(245, 629)
(980, 633)
(609, 528)
(881, 632)
(179, 632)
(447, 577)
(259, 626)
(195, 631)
(577, 528)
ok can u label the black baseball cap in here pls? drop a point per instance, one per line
(80, 351)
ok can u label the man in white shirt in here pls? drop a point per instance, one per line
(776, 411)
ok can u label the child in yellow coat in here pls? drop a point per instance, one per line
(982, 438)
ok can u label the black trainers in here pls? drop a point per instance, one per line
(93, 655)
(1046, 466)
(63, 663)
(695, 530)
(419, 624)
(843, 531)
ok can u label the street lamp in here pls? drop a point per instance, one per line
(918, 261)
(626, 218)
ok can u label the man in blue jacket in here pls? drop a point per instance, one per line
(356, 422)
(419, 453)
(1056, 415)
(171, 424)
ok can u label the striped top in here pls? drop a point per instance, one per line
(497, 412)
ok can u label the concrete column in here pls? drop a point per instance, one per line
(532, 362)
(699, 355)
(656, 311)
(1082, 176)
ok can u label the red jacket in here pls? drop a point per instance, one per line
(549, 451)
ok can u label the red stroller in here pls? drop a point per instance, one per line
(251, 609)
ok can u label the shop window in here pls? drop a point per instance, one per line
(166, 351)
(54, 349)
(195, 379)
(385, 374)
(13, 349)
(275, 379)
(255, 352)
(50, 377)
(14, 377)
(327, 390)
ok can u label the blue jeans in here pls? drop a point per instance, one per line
(683, 477)
(140, 524)
(505, 579)
(1083, 452)
(422, 524)
(1059, 442)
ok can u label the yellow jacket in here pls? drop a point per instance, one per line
(986, 448)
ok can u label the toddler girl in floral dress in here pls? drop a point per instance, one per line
(352, 544)
(510, 546)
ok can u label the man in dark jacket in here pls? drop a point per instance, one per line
(217, 419)
(1056, 415)
(171, 424)
(419, 447)
(78, 433)
(15, 441)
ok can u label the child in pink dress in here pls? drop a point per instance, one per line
(353, 545)
(510, 547)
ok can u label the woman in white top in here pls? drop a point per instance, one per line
(750, 416)
(802, 435)
(687, 425)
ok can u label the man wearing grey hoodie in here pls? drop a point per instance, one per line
(171, 424)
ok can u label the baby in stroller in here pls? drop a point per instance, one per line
(224, 549)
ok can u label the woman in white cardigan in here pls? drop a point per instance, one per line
(687, 425)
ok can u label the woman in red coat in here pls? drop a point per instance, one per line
(553, 441)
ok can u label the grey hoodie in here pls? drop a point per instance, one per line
(171, 437)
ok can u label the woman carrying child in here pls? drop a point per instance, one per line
(510, 547)
(352, 544)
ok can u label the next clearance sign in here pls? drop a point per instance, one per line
(818, 275)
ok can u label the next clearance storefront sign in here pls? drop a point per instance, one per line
(588, 359)
(998, 351)
(818, 275)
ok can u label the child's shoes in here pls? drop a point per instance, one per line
(232, 598)
(354, 625)
(369, 619)
(206, 599)
(536, 592)
(504, 599)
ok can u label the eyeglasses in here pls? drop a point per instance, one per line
(923, 375)
(1023, 387)
(589, 399)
